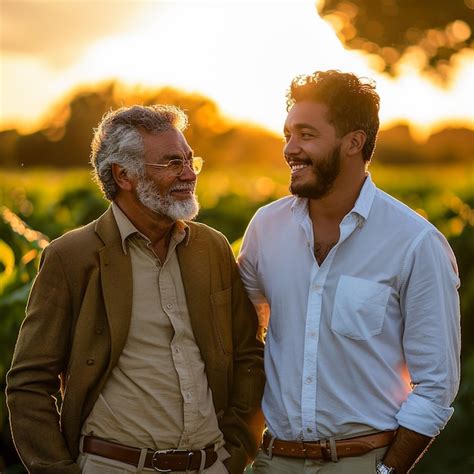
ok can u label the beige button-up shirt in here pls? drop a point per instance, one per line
(158, 394)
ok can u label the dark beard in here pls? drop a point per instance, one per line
(325, 173)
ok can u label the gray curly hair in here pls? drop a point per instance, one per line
(117, 139)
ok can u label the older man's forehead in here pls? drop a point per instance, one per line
(168, 141)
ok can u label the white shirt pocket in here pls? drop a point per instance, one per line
(359, 307)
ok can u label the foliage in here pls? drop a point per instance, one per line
(391, 28)
(228, 200)
(64, 139)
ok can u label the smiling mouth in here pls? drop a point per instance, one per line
(183, 190)
(297, 166)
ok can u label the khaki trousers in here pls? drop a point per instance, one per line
(365, 464)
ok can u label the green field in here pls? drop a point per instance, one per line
(39, 205)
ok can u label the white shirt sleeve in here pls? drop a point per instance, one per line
(248, 267)
(430, 307)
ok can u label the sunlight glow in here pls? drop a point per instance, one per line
(426, 104)
(243, 55)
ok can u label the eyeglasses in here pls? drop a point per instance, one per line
(177, 166)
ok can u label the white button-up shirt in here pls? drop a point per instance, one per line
(367, 341)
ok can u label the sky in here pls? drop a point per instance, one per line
(242, 54)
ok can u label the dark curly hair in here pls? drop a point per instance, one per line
(353, 102)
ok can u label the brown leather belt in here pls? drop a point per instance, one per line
(322, 449)
(161, 461)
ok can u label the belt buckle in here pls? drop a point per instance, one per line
(171, 451)
(326, 452)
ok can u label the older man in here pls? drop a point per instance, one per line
(140, 321)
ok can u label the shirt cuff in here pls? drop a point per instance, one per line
(423, 416)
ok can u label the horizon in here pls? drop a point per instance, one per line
(49, 118)
(240, 55)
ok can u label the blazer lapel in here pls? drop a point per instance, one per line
(117, 283)
(194, 265)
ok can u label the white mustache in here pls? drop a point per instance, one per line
(183, 188)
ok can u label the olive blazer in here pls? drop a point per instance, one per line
(76, 325)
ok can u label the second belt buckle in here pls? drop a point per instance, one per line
(156, 454)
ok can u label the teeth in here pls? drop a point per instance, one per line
(183, 189)
(295, 167)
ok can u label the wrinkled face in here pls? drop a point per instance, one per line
(159, 189)
(312, 150)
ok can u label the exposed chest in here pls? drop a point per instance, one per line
(325, 238)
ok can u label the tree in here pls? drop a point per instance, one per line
(433, 30)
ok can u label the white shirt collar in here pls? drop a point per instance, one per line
(366, 198)
(362, 205)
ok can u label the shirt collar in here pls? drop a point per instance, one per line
(127, 229)
(299, 205)
(362, 205)
(366, 198)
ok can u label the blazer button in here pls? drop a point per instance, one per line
(90, 362)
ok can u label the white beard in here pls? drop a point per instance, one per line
(175, 209)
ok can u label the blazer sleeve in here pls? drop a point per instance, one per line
(33, 382)
(242, 423)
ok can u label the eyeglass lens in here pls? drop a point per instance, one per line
(195, 164)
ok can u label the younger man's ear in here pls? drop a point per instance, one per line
(355, 142)
(121, 177)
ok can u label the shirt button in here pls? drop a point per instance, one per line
(309, 430)
(90, 362)
(99, 330)
(308, 380)
(317, 287)
(169, 305)
(176, 349)
(312, 334)
(188, 395)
